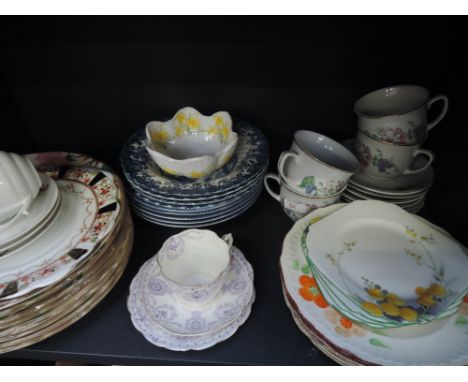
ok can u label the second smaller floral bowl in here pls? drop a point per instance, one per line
(191, 144)
(195, 263)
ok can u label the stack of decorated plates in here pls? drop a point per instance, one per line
(180, 318)
(389, 288)
(408, 191)
(181, 202)
(55, 278)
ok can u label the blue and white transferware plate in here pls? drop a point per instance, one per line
(190, 210)
(250, 158)
(201, 216)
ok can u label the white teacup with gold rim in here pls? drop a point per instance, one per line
(316, 165)
(195, 263)
(191, 144)
(384, 160)
(297, 206)
(19, 186)
(398, 114)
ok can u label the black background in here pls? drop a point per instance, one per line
(85, 84)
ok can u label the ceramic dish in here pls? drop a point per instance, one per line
(382, 241)
(351, 192)
(188, 210)
(191, 144)
(249, 159)
(165, 311)
(197, 214)
(384, 197)
(196, 203)
(74, 297)
(346, 341)
(42, 212)
(89, 210)
(191, 223)
(402, 185)
(163, 338)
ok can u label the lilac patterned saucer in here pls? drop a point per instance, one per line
(159, 337)
(164, 310)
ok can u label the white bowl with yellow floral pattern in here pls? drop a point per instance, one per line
(192, 144)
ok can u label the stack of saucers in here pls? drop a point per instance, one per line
(60, 273)
(390, 288)
(177, 201)
(408, 191)
(196, 292)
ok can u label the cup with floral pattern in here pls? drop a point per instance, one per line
(398, 114)
(384, 160)
(316, 165)
(296, 206)
(195, 263)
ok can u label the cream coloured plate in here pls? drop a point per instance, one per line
(384, 258)
(447, 345)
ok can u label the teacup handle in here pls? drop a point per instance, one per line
(20, 213)
(228, 239)
(282, 161)
(442, 113)
(417, 152)
(267, 186)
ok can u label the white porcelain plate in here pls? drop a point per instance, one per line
(386, 259)
(448, 345)
(88, 211)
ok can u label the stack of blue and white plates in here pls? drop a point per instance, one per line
(181, 202)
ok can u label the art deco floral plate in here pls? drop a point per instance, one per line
(250, 158)
(88, 212)
(447, 345)
(374, 241)
(165, 311)
(42, 211)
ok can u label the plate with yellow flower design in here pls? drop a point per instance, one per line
(443, 342)
(393, 268)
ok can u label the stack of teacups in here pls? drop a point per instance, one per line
(312, 174)
(392, 126)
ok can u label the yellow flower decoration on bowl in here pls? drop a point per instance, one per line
(191, 144)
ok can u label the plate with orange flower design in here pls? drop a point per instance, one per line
(386, 265)
(443, 342)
